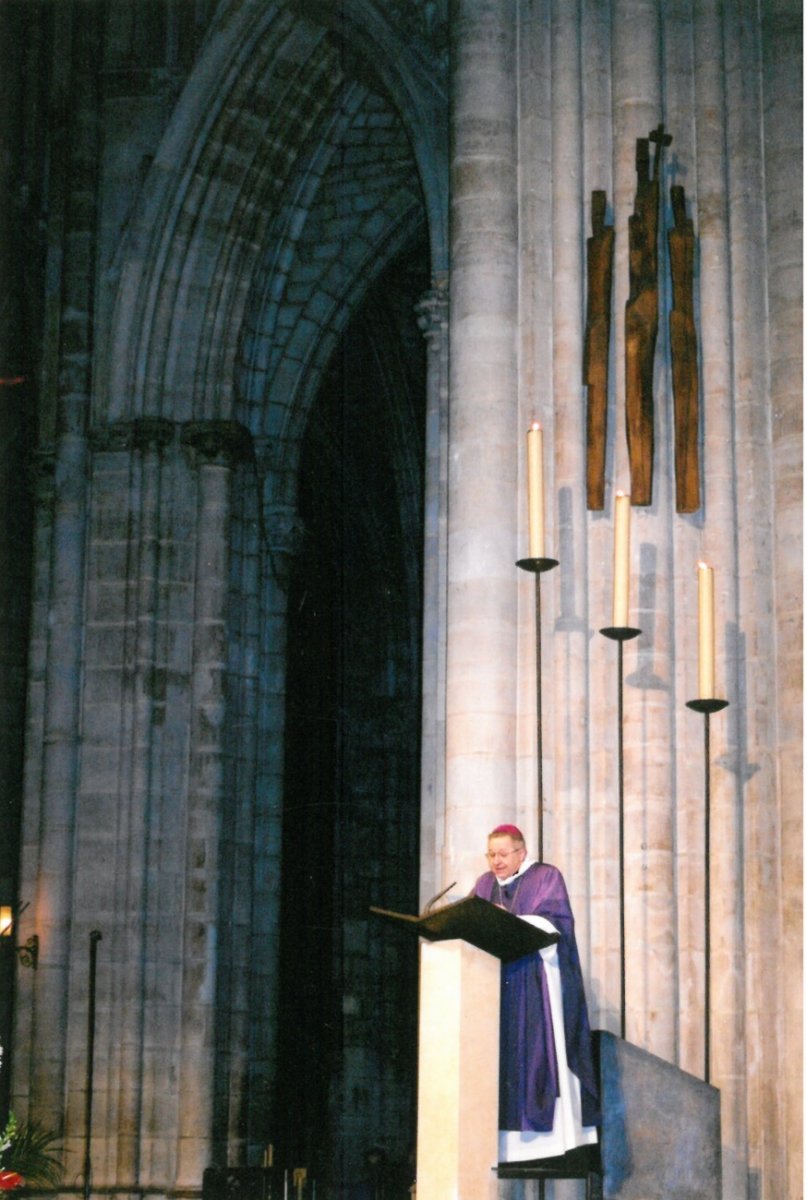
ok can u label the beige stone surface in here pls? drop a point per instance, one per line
(699, 70)
(458, 1072)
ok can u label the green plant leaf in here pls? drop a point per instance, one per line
(34, 1154)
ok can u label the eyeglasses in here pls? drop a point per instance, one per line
(492, 855)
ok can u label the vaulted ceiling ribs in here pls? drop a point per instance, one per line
(281, 189)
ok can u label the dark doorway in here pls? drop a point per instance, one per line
(348, 988)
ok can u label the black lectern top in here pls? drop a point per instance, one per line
(480, 923)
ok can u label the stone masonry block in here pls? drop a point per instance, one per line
(661, 1127)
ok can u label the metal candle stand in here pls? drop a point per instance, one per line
(95, 938)
(707, 707)
(621, 634)
(538, 567)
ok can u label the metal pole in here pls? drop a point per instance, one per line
(539, 717)
(621, 634)
(707, 707)
(621, 787)
(95, 938)
(538, 566)
(707, 901)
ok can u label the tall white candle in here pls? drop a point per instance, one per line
(535, 488)
(706, 632)
(621, 560)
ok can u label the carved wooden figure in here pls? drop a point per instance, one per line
(684, 351)
(641, 318)
(600, 264)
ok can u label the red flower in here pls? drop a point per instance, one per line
(10, 1180)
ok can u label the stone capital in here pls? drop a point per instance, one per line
(142, 433)
(284, 531)
(432, 309)
(42, 473)
(218, 442)
(152, 433)
(112, 438)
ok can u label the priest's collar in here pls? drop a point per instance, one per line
(525, 866)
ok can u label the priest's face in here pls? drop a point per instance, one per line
(504, 855)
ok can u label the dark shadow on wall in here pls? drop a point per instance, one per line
(348, 988)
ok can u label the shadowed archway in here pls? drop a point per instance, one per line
(346, 1067)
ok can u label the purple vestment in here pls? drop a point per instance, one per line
(528, 1071)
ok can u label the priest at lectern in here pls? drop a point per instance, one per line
(548, 1101)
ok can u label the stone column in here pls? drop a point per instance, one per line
(481, 646)
(567, 673)
(29, 1007)
(433, 321)
(117, 796)
(216, 446)
(649, 801)
(747, 801)
(728, 1066)
(17, 431)
(283, 536)
(685, 538)
(47, 875)
(782, 90)
(48, 831)
(152, 438)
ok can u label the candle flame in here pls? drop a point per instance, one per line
(703, 566)
(535, 425)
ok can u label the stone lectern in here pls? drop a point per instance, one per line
(458, 1053)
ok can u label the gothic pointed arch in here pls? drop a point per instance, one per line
(289, 175)
(305, 156)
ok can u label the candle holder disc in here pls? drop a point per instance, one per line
(537, 565)
(707, 706)
(620, 633)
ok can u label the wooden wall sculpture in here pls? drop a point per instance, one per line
(600, 265)
(641, 333)
(641, 318)
(684, 351)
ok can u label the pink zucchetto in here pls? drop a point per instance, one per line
(512, 831)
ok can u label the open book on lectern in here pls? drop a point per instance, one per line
(479, 922)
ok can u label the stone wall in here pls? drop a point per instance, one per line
(593, 79)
